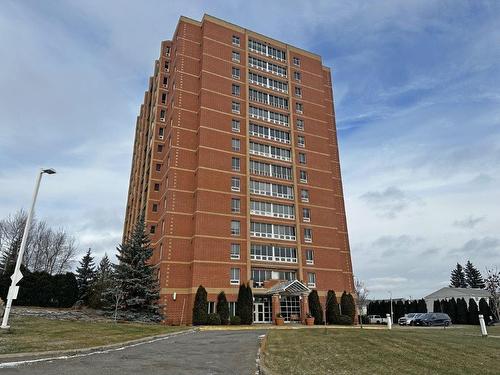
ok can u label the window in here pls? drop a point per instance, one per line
(165, 81)
(152, 230)
(235, 90)
(167, 66)
(160, 148)
(235, 126)
(307, 234)
(161, 132)
(235, 164)
(272, 209)
(302, 158)
(296, 61)
(157, 187)
(299, 108)
(163, 98)
(235, 107)
(296, 76)
(235, 205)
(155, 207)
(235, 251)
(300, 124)
(235, 276)
(211, 307)
(232, 308)
(269, 189)
(235, 228)
(303, 176)
(273, 253)
(301, 142)
(304, 195)
(311, 280)
(236, 40)
(158, 167)
(306, 215)
(235, 144)
(162, 115)
(298, 92)
(235, 184)
(236, 73)
(167, 50)
(236, 56)
(309, 256)
(279, 232)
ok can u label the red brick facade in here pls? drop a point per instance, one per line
(182, 165)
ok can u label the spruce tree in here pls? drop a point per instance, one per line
(244, 305)
(103, 281)
(222, 308)
(457, 278)
(85, 275)
(473, 315)
(136, 277)
(461, 311)
(332, 308)
(473, 276)
(200, 307)
(315, 308)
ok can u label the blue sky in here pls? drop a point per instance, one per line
(416, 87)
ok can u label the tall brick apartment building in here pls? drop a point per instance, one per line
(236, 166)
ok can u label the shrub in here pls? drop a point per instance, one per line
(347, 305)
(344, 320)
(244, 305)
(213, 319)
(200, 307)
(315, 307)
(222, 308)
(235, 320)
(332, 308)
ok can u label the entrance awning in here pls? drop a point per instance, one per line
(289, 288)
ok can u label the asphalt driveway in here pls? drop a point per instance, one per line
(205, 352)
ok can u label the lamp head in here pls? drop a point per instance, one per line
(49, 171)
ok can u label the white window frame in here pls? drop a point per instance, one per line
(302, 198)
(301, 141)
(236, 40)
(235, 232)
(235, 69)
(235, 167)
(308, 238)
(310, 261)
(234, 276)
(311, 280)
(235, 56)
(235, 107)
(233, 186)
(235, 129)
(235, 252)
(274, 210)
(306, 219)
(303, 176)
(236, 209)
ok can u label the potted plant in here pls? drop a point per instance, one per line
(309, 319)
(279, 320)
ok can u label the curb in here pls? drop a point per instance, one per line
(72, 352)
(261, 368)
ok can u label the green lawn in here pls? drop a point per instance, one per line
(30, 334)
(457, 350)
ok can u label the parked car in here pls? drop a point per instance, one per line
(377, 319)
(408, 319)
(433, 319)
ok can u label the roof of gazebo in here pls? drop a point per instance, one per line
(292, 288)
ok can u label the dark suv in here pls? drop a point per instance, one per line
(433, 319)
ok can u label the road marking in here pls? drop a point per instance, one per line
(106, 351)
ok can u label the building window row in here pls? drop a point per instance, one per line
(269, 133)
(265, 98)
(265, 169)
(272, 209)
(266, 49)
(273, 253)
(270, 151)
(260, 275)
(269, 116)
(276, 231)
(267, 66)
(270, 83)
(271, 190)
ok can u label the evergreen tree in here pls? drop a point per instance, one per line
(103, 281)
(249, 295)
(461, 311)
(457, 279)
(437, 306)
(421, 306)
(136, 277)
(485, 310)
(332, 308)
(222, 308)
(473, 315)
(244, 305)
(452, 310)
(315, 308)
(85, 275)
(200, 307)
(347, 305)
(473, 276)
(399, 311)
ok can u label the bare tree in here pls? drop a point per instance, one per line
(492, 282)
(361, 297)
(47, 250)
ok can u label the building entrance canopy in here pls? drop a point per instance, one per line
(289, 288)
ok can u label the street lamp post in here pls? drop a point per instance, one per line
(17, 275)
(392, 315)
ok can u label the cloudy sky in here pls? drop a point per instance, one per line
(417, 93)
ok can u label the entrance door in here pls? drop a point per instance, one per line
(258, 312)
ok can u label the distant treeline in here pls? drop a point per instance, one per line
(399, 308)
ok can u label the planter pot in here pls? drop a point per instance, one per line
(309, 321)
(279, 321)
